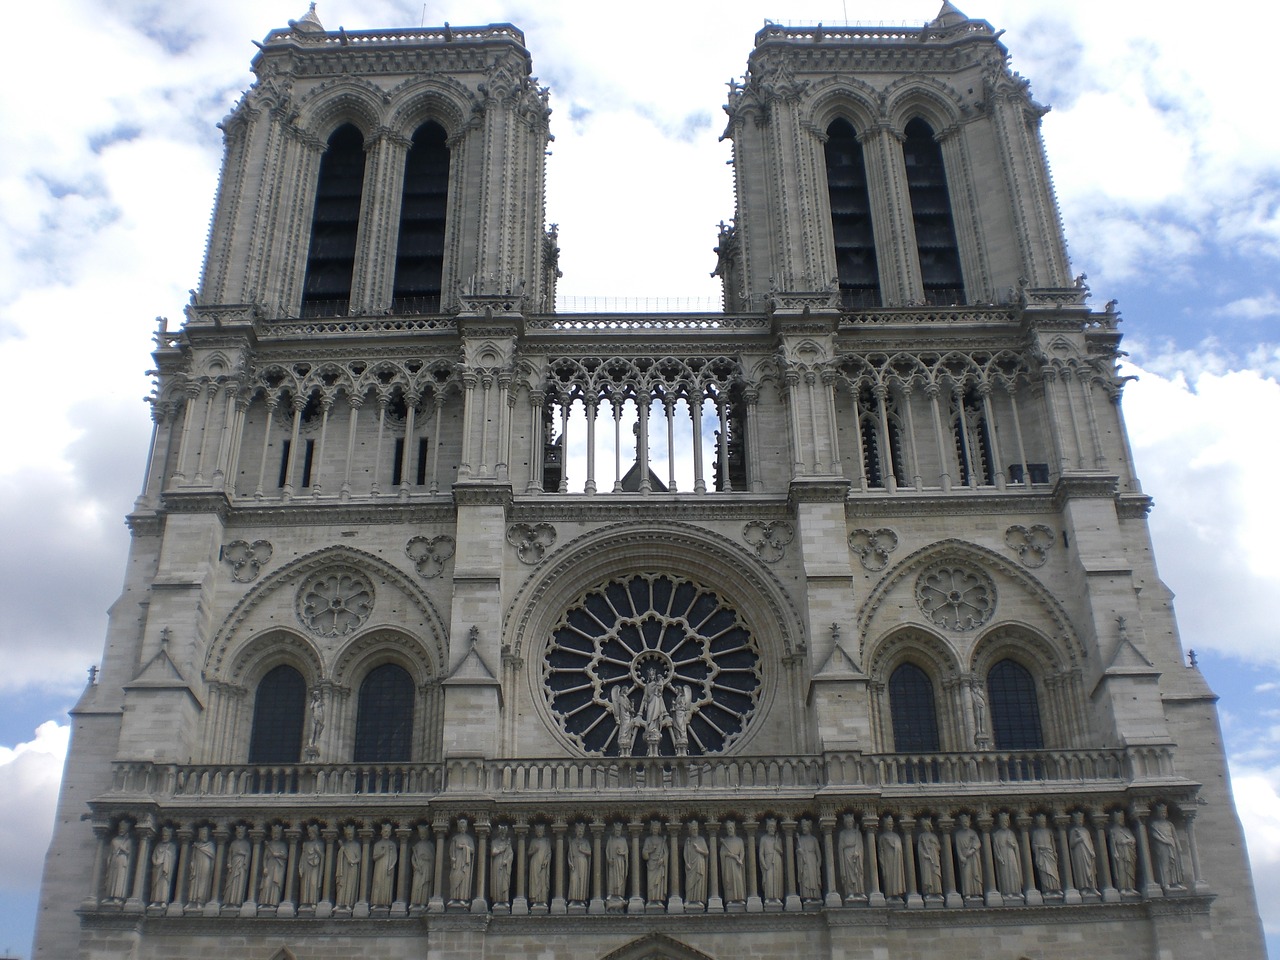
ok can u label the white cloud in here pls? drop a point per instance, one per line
(29, 776)
(1257, 795)
(1252, 308)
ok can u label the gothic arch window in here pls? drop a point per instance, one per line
(972, 435)
(420, 247)
(1015, 708)
(331, 258)
(279, 710)
(913, 710)
(384, 716)
(856, 269)
(935, 229)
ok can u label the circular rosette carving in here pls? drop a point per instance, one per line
(955, 596)
(652, 665)
(334, 603)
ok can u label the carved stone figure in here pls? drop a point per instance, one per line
(382, 884)
(462, 863)
(275, 859)
(852, 862)
(316, 714)
(1083, 858)
(1004, 849)
(680, 720)
(696, 853)
(423, 861)
(969, 857)
(616, 855)
(625, 717)
(539, 865)
(163, 858)
(1124, 853)
(501, 857)
(808, 863)
(654, 854)
(769, 853)
(347, 881)
(311, 866)
(238, 853)
(1044, 853)
(200, 869)
(119, 860)
(1164, 849)
(579, 855)
(892, 870)
(654, 710)
(733, 871)
(930, 849)
(979, 698)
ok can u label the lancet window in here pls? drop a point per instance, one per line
(420, 246)
(645, 425)
(279, 710)
(913, 710)
(384, 716)
(335, 222)
(931, 214)
(1015, 708)
(855, 245)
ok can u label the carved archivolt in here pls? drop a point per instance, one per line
(923, 648)
(271, 649)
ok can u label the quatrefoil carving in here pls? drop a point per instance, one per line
(429, 555)
(873, 547)
(531, 540)
(770, 539)
(1031, 543)
(246, 559)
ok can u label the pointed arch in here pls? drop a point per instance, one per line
(335, 222)
(656, 946)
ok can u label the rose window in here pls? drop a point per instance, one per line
(652, 666)
(335, 603)
(956, 597)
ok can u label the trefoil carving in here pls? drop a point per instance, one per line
(246, 559)
(769, 538)
(1032, 544)
(873, 547)
(531, 540)
(429, 554)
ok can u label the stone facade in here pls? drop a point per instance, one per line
(824, 626)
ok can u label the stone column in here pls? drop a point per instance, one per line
(952, 897)
(1029, 891)
(675, 903)
(221, 836)
(250, 906)
(597, 894)
(1198, 886)
(558, 903)
(993, 898)
(636, 903)
(1070, 894)
(750, 826)
(176, 905)
(875, 896)
(1150, 888)
(145, 833)
(833, 898)
(914, 900)
(288, 905)
(714, 902)
(100, 832)
(400, 903)
(480, 902)
(790, 898)
(1106, 886)
(361, 909)
(325, 907)
(437, 882)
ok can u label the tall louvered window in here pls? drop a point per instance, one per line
(856, 269)
(384, 716)
(1015, 709)
(420, 247)
(931, 212)
(912, 708)
(331, 258)
(279, 711)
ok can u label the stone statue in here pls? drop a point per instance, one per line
(969, 857)
(163, 858)
(1164, 849)
(200, 869)
(852, 864)
(347, 881)
(382, 884)
(654, 854)
(979, 698)
(808, 863)
(316, 713)
(696, 853)
(579, 855)
(1124, 853)
(275, 859)
(311, 866)
(616, 855)
(238, 853)
(680, 720)
(462, 863)
(892, 870)
(501, 857)
(769, 853)
(539, 865)
(733, 871)
(423, 861)
(930, 850)
(1044, 853)
(1004, 849)
(654, 710)
(625, 717)
(119, 860)
(1083, 857)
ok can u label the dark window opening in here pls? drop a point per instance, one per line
(397, 464)
(931, 213)
(422, 461)
(331, 257)
(279, 709)
(912, 708)
(856, 269)
(1015, 709)
(973, 441)
(285, 448)
(876, 466)
(308, 456)
(1039, 472)
(384, 716)
(420, 246)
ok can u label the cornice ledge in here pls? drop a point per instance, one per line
(1133, 506)
(914, 505)
(1084, 487)
(818, 490)
(388, 511)
(204, 501)
(145, 524)
(576, 508)
(476, 493)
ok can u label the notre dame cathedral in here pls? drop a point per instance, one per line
(826, 625)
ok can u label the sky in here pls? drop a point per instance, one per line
(1167, 174)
